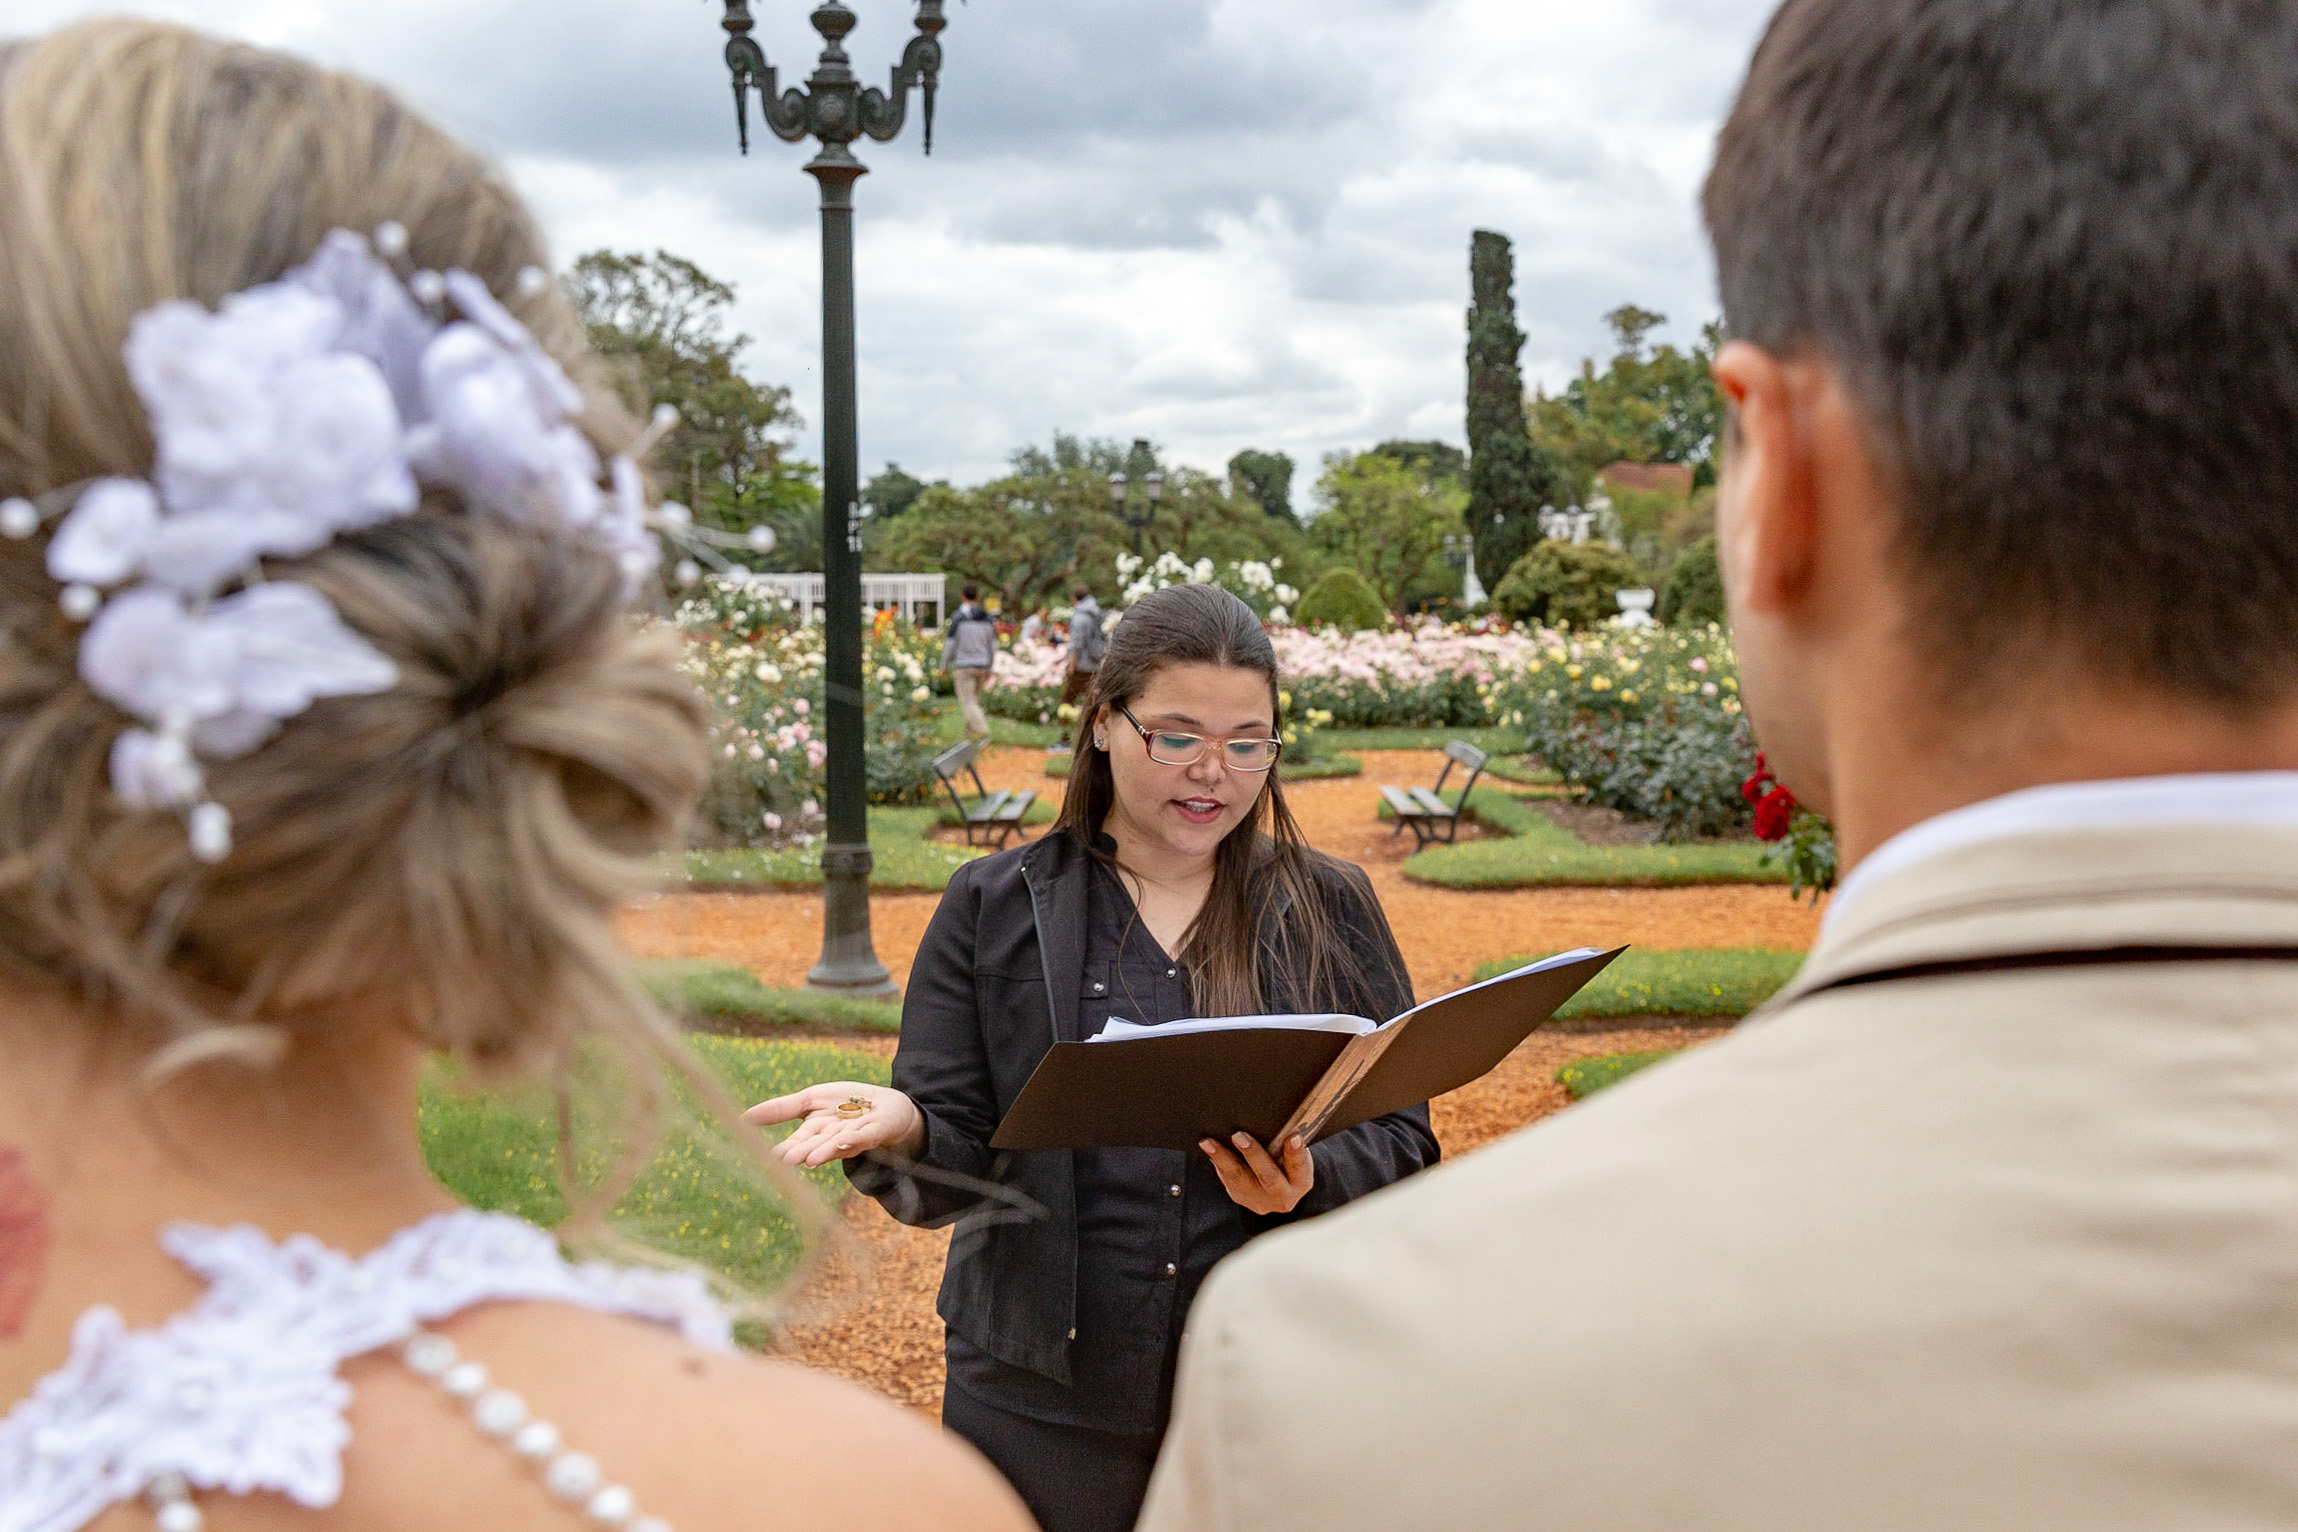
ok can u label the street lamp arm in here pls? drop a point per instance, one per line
(746, 61)
(883, 112)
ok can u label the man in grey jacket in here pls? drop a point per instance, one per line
(1989, 1223)
(969, 651)
(1086, 643)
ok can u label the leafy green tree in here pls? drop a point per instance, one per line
(1388, 523)
(1648, 405)
(892, 492)
(1433, 461)
(1510, 476)
(1265, 478)
(1050, 522)
(659, 325)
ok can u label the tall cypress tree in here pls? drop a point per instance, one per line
(1509, 477)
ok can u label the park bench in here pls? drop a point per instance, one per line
(1426, 809)
(991, 816)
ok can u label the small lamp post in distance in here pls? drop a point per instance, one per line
(835, 109)
(1152, 488)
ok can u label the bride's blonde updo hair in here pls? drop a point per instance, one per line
(450, 851)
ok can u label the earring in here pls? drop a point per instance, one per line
(1101, 742)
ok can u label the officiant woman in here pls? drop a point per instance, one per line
(1175, 884)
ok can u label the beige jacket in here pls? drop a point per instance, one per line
(2013, 1251)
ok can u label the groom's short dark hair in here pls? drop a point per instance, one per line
(2052, 245)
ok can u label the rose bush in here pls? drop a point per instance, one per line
(762, 670)
(1648, 720)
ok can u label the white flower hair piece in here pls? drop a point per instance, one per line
(315, 405)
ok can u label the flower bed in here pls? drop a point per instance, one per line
(762, 670)
(1648, 720)
(1429, 675)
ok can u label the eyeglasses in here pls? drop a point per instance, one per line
(1168, 748)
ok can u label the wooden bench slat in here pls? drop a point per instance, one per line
(1017, 804)
(986, 809)
(1432, 805)
(1402, 802)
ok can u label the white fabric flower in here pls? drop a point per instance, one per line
(486, 435)
(268, 442)
(108, 534)
(233, 671)
(380, 321)
(554, 394)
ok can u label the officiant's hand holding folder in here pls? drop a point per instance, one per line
(1173, 1086)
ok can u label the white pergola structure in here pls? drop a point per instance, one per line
(906, 595)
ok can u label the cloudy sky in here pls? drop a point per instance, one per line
(1213, 223)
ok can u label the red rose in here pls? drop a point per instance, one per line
(1758, 784)
(1773, 814)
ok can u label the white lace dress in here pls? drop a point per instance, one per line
(240, 1394)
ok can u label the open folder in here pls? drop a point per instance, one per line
(1170, 1086)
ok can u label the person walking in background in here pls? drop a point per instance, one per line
(968, 653)
(1087, 643)
(1989, 1222)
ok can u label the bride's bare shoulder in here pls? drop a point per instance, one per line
(704, 1441)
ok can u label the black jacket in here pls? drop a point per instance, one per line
(994, 984)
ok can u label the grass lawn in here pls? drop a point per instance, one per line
(1497, 741)
(1692, 982)
(697, 1199)
(720, 997)
(905, 859)
(1533, 851)
(949, 728)
(1582, 1078)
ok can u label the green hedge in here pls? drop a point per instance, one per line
(1687, 982)
(1694, 593)
(1343, 599)
(697, 1200)
(1559, 582)
(1533, 851)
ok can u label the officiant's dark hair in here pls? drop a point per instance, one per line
(1265, 865)
(2048, 245)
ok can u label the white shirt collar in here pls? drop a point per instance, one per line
(2231, 797)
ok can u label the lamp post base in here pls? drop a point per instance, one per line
(849, 964)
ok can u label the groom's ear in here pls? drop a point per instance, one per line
(1766, 522)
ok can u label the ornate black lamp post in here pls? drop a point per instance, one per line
(836, 109)
(1152, 491)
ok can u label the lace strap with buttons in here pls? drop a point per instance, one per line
(241, 1394)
